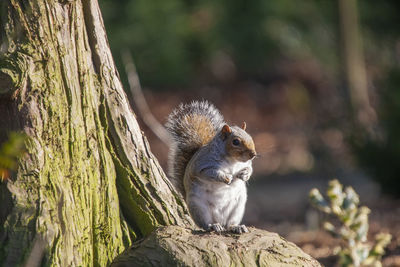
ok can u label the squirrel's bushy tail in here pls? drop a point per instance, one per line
(191, 126)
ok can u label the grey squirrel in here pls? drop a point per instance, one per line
(209, 163)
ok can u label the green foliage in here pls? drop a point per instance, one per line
(10, 151)
(177, 42)
(156, 32)
(353, 229)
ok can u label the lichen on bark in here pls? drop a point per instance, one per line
(86, 154)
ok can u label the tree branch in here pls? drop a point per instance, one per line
(138, 98)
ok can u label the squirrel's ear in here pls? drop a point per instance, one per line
(226, 129)
(244, 126)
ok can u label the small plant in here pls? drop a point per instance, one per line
(10, 151)
(344, 204)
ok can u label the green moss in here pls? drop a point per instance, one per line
(141, 221)
(75, 185)
(132, 204)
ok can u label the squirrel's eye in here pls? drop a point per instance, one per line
(235, 142)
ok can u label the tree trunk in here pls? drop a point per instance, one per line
(88, 186)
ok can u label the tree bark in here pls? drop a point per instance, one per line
(89, 185)
(177, 246)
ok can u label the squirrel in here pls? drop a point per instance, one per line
(209, 163)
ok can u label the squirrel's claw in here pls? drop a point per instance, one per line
(238, 229)
(216, 227)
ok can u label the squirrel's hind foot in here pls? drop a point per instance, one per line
(216, 227)
(238, 229)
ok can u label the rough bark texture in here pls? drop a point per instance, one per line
(89, 185)
(177, 246)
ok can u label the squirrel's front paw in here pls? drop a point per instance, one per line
(216, 227)
(244, 174)
(227, 178)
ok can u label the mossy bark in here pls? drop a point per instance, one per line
(89, 184)
(88, 187)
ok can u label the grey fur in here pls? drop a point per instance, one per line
(186, 139)
(206, 169)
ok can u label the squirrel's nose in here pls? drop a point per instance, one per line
(252, 154)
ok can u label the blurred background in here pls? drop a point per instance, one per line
(317, 83)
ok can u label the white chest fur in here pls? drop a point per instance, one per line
(234, 168)
(218, 202)
(211, 200)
